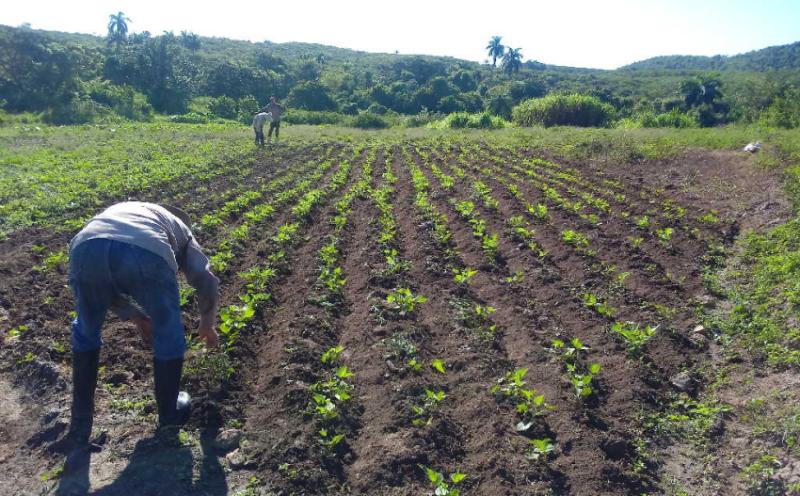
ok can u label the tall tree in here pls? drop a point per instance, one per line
(496, 49)
(118, 28)
(701, 90)
(512, 60)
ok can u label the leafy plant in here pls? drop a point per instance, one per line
(528, 402)
(234, 319)
(665, 234)
(394, 264)
(575, 238)
(635, 337)
(593, 302)
(404, 301)
(463, 276)
(438, 365)
(332, 355)
(422, 411)
(582, 380)
(442, 484)
(540, 449)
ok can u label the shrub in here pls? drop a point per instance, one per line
(223, 106)
(123, 100)
(299, 116)
(190, 118)
(462, 120)
(368, 120)
(563, 110)
(377, 109)
(79, 110)
(785, 110)
(420, 120)
(674, 119)
(247, 107)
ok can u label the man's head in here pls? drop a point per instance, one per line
(272, 99)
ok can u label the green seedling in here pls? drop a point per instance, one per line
(27, 358)
(57, 260)
(490, 245)
(634, 336)
(404, 301)
(14, 333)
(234, 319)
(540, 449)
(528, 403)
(516, 277)
(55, 473)
(571, 351)
(441, 484)
(414, 365)
(185, 295)
(665, 234)
(329, 440)
(464, 275)
(422, 412)
(332, 355)
(574, 238)
(438, 365)
(643, 222)
(394, 264)
(583, 381)
(539, 212)
(593, 302)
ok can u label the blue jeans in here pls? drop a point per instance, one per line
(102, 270)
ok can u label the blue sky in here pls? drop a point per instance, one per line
(582, 33)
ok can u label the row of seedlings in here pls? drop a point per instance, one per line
(473, 315)
(234, 241)
(259, 278)
(330, 397)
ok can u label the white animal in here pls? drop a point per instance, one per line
(753, 147)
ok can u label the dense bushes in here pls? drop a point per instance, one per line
(123, 100)
(463, 120)
(368, 121)
(299, 116)
(675, 118)
(563, 110)
(785, 110)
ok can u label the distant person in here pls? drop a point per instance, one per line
(258, 126)
(277, 111)
(126, 259)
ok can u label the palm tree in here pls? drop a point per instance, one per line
(701, 90)
(496, 49)
(118, 28)
(512, 60)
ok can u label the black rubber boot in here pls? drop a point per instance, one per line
(84, 383)
(174, 406)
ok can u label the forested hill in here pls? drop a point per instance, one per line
(73, 78)
(776, 58)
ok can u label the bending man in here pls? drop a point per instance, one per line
(126, 259)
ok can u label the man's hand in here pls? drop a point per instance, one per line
(145, 326)
(208, 334)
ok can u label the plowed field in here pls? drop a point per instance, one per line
(389, 310)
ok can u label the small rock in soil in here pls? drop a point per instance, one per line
(683, 381)
(236, 459)
(228, 440)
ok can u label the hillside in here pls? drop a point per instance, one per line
(73, 78)
(775, 58)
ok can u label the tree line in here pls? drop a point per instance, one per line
(76, 78)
